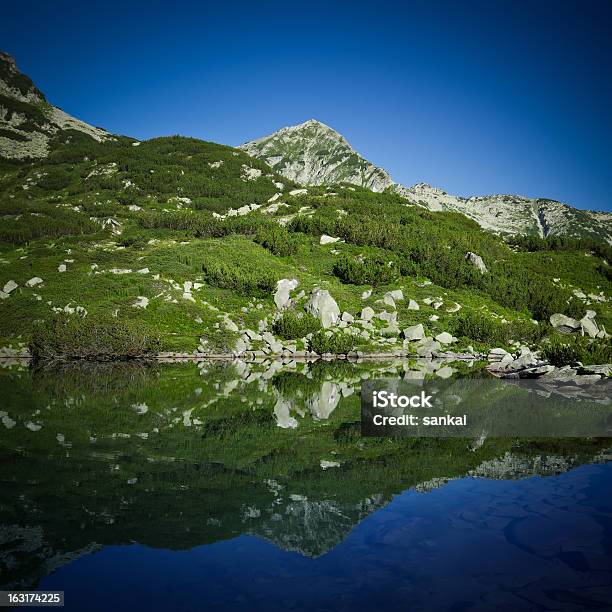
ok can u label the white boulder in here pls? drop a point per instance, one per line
(141, 302)
(414, 332)
(283, 288)
(564, 324)
(367, 313)
(477, 261)
(325, 239)
(323, 306)
(10, 286)
(445, 338)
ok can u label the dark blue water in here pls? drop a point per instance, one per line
(473, 544)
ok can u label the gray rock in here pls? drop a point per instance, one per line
(564, 324)
(347, 317)
(536, 372)
(229, 324)
(34, 281)
(445, 338)
(498, 354)
(10, 286)
(283, 289)
(477, 261)
(325, 239)
(389, 317)
(240, 347)
(253, 335)
(274, 345)
(604, 369)
(396, 294)
(367, 313)
(388, 300)
(323, 306)
(428, 348)
(526, 360)
(560, 375)
(589, 327)
(414, 332)
(412, 305)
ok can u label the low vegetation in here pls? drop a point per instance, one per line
(90, 217)
(106, 339)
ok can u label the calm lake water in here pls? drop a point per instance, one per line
(239, 486)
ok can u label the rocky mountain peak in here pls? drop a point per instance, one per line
(312, 153)
(14, 84)
(8, 59)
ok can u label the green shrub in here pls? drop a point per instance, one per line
(291, 326)
(277, 240)
(479, 327)
(61, 223)
(569, 349)
(55, 180)
(369, 271)
(102, 339)
(246, 281)
(336, 344)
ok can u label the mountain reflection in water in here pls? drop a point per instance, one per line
(177, 456)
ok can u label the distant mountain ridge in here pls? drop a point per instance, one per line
(312, 153)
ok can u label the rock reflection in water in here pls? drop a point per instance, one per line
(180, 455)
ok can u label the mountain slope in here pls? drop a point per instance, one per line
(518, 215)
(27, 121)
(314, 154)
(177, 244)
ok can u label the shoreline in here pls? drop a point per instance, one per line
(250, 357)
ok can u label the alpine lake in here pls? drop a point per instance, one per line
(233, 485)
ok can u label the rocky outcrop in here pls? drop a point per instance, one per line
(477, 261)
(587, 326)
(516, 215)
(323, 306)
(27, 121)
(283, 288)
(312, 153)
(564, 324)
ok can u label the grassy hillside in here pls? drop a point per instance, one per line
(156, 236)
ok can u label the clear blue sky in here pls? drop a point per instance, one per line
(473, 97)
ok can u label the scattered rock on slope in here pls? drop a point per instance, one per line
(564, 324)
(323, 306)
(477, 261)
(283, 288)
